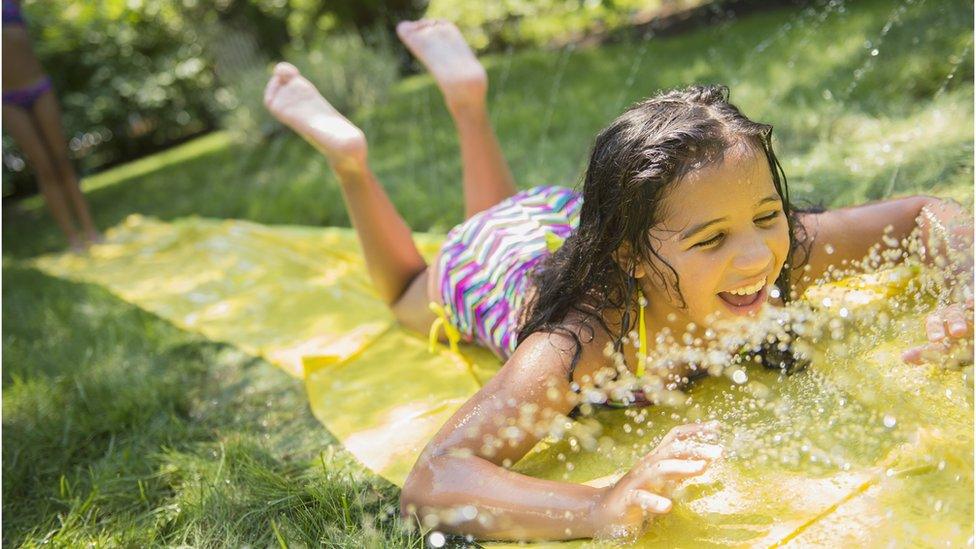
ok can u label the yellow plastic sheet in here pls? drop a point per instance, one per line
(859, 450)
(282, 292)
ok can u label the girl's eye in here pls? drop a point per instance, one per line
(713, 240)
(767, 218)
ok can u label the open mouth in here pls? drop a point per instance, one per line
(747, 299)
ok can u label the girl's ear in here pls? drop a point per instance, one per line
(629, 261)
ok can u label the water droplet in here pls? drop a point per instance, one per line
(740, 377)
(436, 539)
(889, 421)
(844, 313)
(829, 249)
(874, 52)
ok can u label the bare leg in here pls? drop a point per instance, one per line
(48, 116)
(393, 261)
(439, 45)
(21, 126)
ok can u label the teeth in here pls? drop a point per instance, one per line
(749, 290)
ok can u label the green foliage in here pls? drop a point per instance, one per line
(131, 73)
(136, 76)
(541, 22)
(350, 72)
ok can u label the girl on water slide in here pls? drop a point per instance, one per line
(683, 219)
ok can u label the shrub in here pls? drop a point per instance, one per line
(351, 73)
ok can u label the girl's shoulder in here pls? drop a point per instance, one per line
(579, 341)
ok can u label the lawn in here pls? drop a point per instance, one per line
(119, 429)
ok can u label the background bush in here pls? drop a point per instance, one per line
(131, 77)
(352, 71)
(493, 25)
(137, 76)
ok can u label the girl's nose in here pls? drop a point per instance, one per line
(752, 257)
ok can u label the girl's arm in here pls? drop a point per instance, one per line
(461, 482)
(945, 233)
(841, 237)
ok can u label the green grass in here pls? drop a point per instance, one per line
(119, 429)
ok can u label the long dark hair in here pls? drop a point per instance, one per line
(634, 163)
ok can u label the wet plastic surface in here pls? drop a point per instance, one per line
(858, 450)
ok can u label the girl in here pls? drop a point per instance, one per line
(684, 210)
(32, 116)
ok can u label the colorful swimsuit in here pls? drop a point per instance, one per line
(485, 262)
(26, 97)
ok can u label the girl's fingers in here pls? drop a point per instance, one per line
(926, 353)
(935, 327)
(661, 476)
(946, 324)
(706, 430)
(650, 502)
(913, 355)
(689, 449)
(955, 319)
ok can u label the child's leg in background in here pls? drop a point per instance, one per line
(393, 261)
(439, 45)
(47, 114)
(19, 122)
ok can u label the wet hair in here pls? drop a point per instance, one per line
(635, 162)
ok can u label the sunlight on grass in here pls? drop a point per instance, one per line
(168, 158)
(143, 167)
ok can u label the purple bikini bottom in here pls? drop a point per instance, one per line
(26, 97)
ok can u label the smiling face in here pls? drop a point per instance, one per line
(725, 235)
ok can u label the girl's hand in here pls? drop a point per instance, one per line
(625, 508)
(946, 328)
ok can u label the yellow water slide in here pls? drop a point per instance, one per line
(858, 450)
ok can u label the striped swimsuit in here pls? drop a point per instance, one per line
(486, 261)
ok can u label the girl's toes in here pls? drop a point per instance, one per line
(404, 28)
(271, 89)
(285, 71)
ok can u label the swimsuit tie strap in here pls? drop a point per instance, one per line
(452, 333)
(553, 242)
(642, 335)
(453, 337)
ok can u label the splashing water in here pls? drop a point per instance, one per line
(856, 446)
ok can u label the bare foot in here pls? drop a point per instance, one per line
(294, 101)
(77, 245)
(94, 237)
(441, 48)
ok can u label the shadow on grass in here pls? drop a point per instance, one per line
(120, 429)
